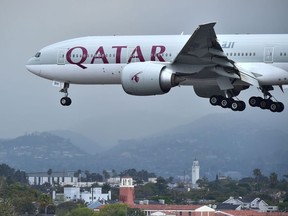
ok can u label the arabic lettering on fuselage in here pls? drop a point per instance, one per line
(79, 55)
(228, 44)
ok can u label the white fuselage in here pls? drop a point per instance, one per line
(100, 60)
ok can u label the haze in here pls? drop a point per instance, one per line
(106, 113)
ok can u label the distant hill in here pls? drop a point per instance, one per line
(87, 145)
(39, 152)
(225, 144)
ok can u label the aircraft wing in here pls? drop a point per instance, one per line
(203, 49)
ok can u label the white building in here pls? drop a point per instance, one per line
(114, 181)
(61, 178)
(95, 194)
(254, 204)
(195, 173)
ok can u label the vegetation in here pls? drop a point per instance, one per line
(17, 197)
(119, 210)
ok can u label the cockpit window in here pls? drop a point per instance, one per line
(37, 55)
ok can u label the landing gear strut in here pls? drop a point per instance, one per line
(65, 101)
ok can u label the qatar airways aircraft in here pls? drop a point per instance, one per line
(218, 67)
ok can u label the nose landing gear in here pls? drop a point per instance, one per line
(65, 101)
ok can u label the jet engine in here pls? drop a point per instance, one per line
(147, 78)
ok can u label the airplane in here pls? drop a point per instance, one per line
(218, 67)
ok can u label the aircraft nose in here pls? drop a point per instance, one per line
(33, 66)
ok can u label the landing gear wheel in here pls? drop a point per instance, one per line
(265, 103)
(238, 106)
(65, 101)
(255, 101)
(226, 102)
(276, 107)
(215, 100)
(280, 107)
(273, 107)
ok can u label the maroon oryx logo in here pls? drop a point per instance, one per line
(136, 78)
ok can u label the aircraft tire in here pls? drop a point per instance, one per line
(238, 106)
(226, 102)
(255, 101)
(281, 107)
(65, 101)
(215, 100)
(276, 107)
(265, 103)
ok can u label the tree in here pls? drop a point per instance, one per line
(161, 186)
(134, 212)
(87, 174)
(82, 212)
(105, 188)
(49, 172)
(77, 173)
(106, 174)
(273, 179)
(114, 173)
(44, 202)
(7, 209)
(118, 209)
(203, 183)
(96, 177)
(65, 208)
(257, 174)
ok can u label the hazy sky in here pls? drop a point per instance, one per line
(105, 113)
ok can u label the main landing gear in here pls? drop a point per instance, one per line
(65, 101)
(266, 104)
(218, 100)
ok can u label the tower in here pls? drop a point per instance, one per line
(127, 191)
(195, 173)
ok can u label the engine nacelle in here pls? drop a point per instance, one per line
(146, 78)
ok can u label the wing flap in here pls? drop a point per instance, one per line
(203, 49)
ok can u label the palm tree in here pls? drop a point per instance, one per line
(273, 179)
(257, 174)
(49, 172)
(106, 174)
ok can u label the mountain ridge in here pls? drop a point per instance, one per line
(223, 144)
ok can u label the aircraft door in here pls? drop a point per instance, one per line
(61, 57)
(268, 54)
